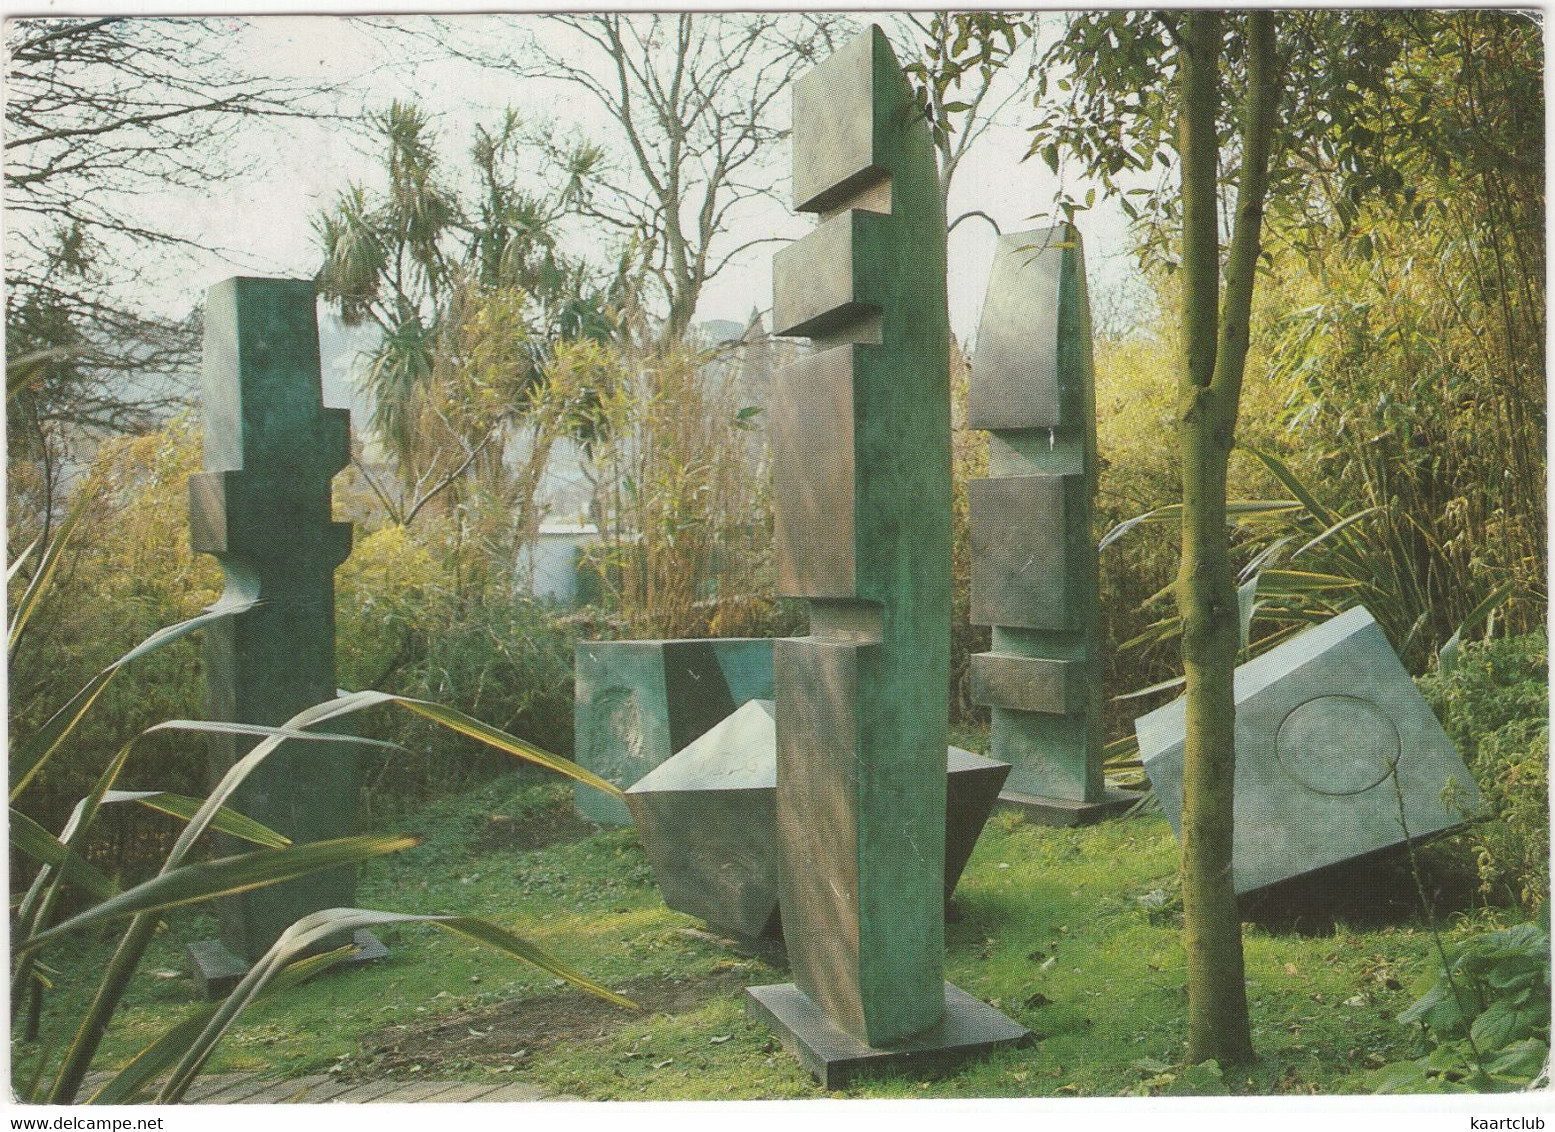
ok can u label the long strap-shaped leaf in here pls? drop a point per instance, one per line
(126, 1085)
(38, 906)
(35, 906)
(136, 937)
(28, 602)
(28, 837)
(319, 926)
(132, 945)
(224, 877)
(28, 758)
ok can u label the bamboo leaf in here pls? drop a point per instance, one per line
(192, 884)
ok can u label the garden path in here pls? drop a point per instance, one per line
(254, 1088)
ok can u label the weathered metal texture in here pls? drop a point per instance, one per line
(1028, 683)
(811, 430)
(836, 275)
(1022, 575)
(1321, 721)
(262, 507)
(707, 819)
(638, 702)
(1034, 566)
(862, 701)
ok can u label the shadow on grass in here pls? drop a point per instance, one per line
(1368, 892)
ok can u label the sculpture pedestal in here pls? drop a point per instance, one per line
(969, 1029)
(1067, 811)
(217, 969)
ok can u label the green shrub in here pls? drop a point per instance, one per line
(1484, 1019)
(128, 573)
(404, 626)
(1494, 704)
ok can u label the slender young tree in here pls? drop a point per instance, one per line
(1209, 391)
(1143, 91)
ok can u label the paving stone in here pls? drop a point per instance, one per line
(285, 1092)
(515, 1091)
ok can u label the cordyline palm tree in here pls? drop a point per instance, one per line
(413, 260)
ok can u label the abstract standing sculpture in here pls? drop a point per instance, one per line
(262, 507)
(861, 484)
(1034, 568)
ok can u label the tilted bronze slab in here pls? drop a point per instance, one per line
(840, 152)
(835, 275)
(1019, 552)
(707, 819)
(1028, 683)
(1324, 722)
(811, 429)
(1019, 382)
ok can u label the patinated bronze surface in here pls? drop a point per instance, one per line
(707, 819)
(1322, 721)
(864, 534)
(1034, 565)
(636, 703)
(262, 507)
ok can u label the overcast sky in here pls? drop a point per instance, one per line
(263, 222)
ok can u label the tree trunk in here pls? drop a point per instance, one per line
(1209, 391)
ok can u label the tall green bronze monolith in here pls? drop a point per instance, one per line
(860, 434)
(1034, 567)
(262, 508)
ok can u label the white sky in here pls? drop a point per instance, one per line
(264, 221)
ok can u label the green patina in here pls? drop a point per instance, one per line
(1033, 387)
(636, 703)
(864, 532)
(262, 507)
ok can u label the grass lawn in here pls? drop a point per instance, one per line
(1074, 933)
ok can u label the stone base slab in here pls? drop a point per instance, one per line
(969, 1029)
(1067, 811)
(218, 970)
